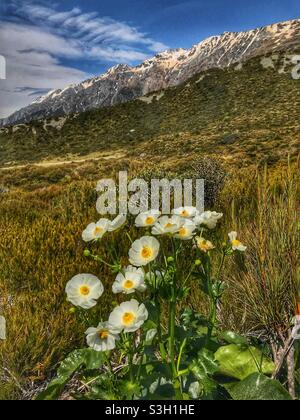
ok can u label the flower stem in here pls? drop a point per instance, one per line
(172, 336)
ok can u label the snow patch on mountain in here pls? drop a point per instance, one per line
(123, 83)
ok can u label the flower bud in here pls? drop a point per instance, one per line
(86, 253)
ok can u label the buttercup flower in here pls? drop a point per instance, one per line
(204, 245)
(187, 231)
(186, 212)
(2, 328)
(83, 290)
(147, 219)
(208, 219)
(130, 281)
(95, 231)
(235, 243)
(168, 225)
(117, 223)
(143, 251)
(128, 317)
(101, 338)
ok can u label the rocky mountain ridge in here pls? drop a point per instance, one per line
(124, 83)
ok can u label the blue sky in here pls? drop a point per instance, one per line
(50, 44)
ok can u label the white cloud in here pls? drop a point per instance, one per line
(94, 28)
(39, 38)
(32, 65)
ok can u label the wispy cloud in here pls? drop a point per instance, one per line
(37, 39)
(88, 30)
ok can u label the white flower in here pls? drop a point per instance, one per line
(83, 290)
(204, 245)
(187, 231)
(235, 243)
(147, 219)
(101, 338)
(130, 281)
(117, 223)
(186, 212)
(2, 328)
(128, 317)
(95, 231)
(143, 251)
(168, 225)
(208, 219)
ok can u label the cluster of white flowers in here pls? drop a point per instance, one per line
(95, 231)
(184, 223)
(84, 290)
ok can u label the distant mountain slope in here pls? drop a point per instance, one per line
(124, 83)
(246, 114)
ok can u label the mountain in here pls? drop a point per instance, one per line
(123, 83)
(243, 114)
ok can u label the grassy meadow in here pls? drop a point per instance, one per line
(41, 249)
(237, 129)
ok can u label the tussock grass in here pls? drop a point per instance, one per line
(265, 286)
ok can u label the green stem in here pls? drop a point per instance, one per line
(189, 276)
(159, 331)
(221, 265)
(130, 361)
(99, 259)
(141, 364)
(180, 354)
(172, 336)
(109, 363)
(213, 311)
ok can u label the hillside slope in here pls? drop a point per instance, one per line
(244, 114)
(171, 68)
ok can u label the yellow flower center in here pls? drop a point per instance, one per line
(185, 213)
(103, 334)
(146, 252)
(128, 318)
(183, 231)
(84, 290)
(149, 220)
(128, 284)
(98, 230)
(169, 225)
(205, 245)
(236, 242)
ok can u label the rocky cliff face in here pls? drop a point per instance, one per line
(123, 83)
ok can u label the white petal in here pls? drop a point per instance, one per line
(232, 236)
(117, 223)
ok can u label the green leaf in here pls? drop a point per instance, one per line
(233, 338)
(203, 368)
(239, 362)
(92, 359)
(258, 387)
(151, 334)
(129, 389)
(87, 357)
(102, 389)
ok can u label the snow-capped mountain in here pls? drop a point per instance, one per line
(123, 83)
